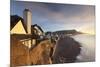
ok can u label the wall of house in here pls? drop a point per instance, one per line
(18, 28)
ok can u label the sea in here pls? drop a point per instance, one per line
(88, 44)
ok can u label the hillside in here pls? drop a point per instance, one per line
(67, 32)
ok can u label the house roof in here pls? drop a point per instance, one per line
(14, 20)
(35, 25)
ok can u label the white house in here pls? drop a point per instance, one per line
(22, 28)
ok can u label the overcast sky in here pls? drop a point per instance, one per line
(52, 17)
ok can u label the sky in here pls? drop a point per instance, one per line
(54, 17)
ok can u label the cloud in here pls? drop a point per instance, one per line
(56, 16)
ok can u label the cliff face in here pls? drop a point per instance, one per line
(41, 53)
(65, 50)
(21, 55)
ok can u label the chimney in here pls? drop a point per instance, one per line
(27, 16)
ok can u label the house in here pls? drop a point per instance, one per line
(17, 25)
(23, 31)
(37, 29)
